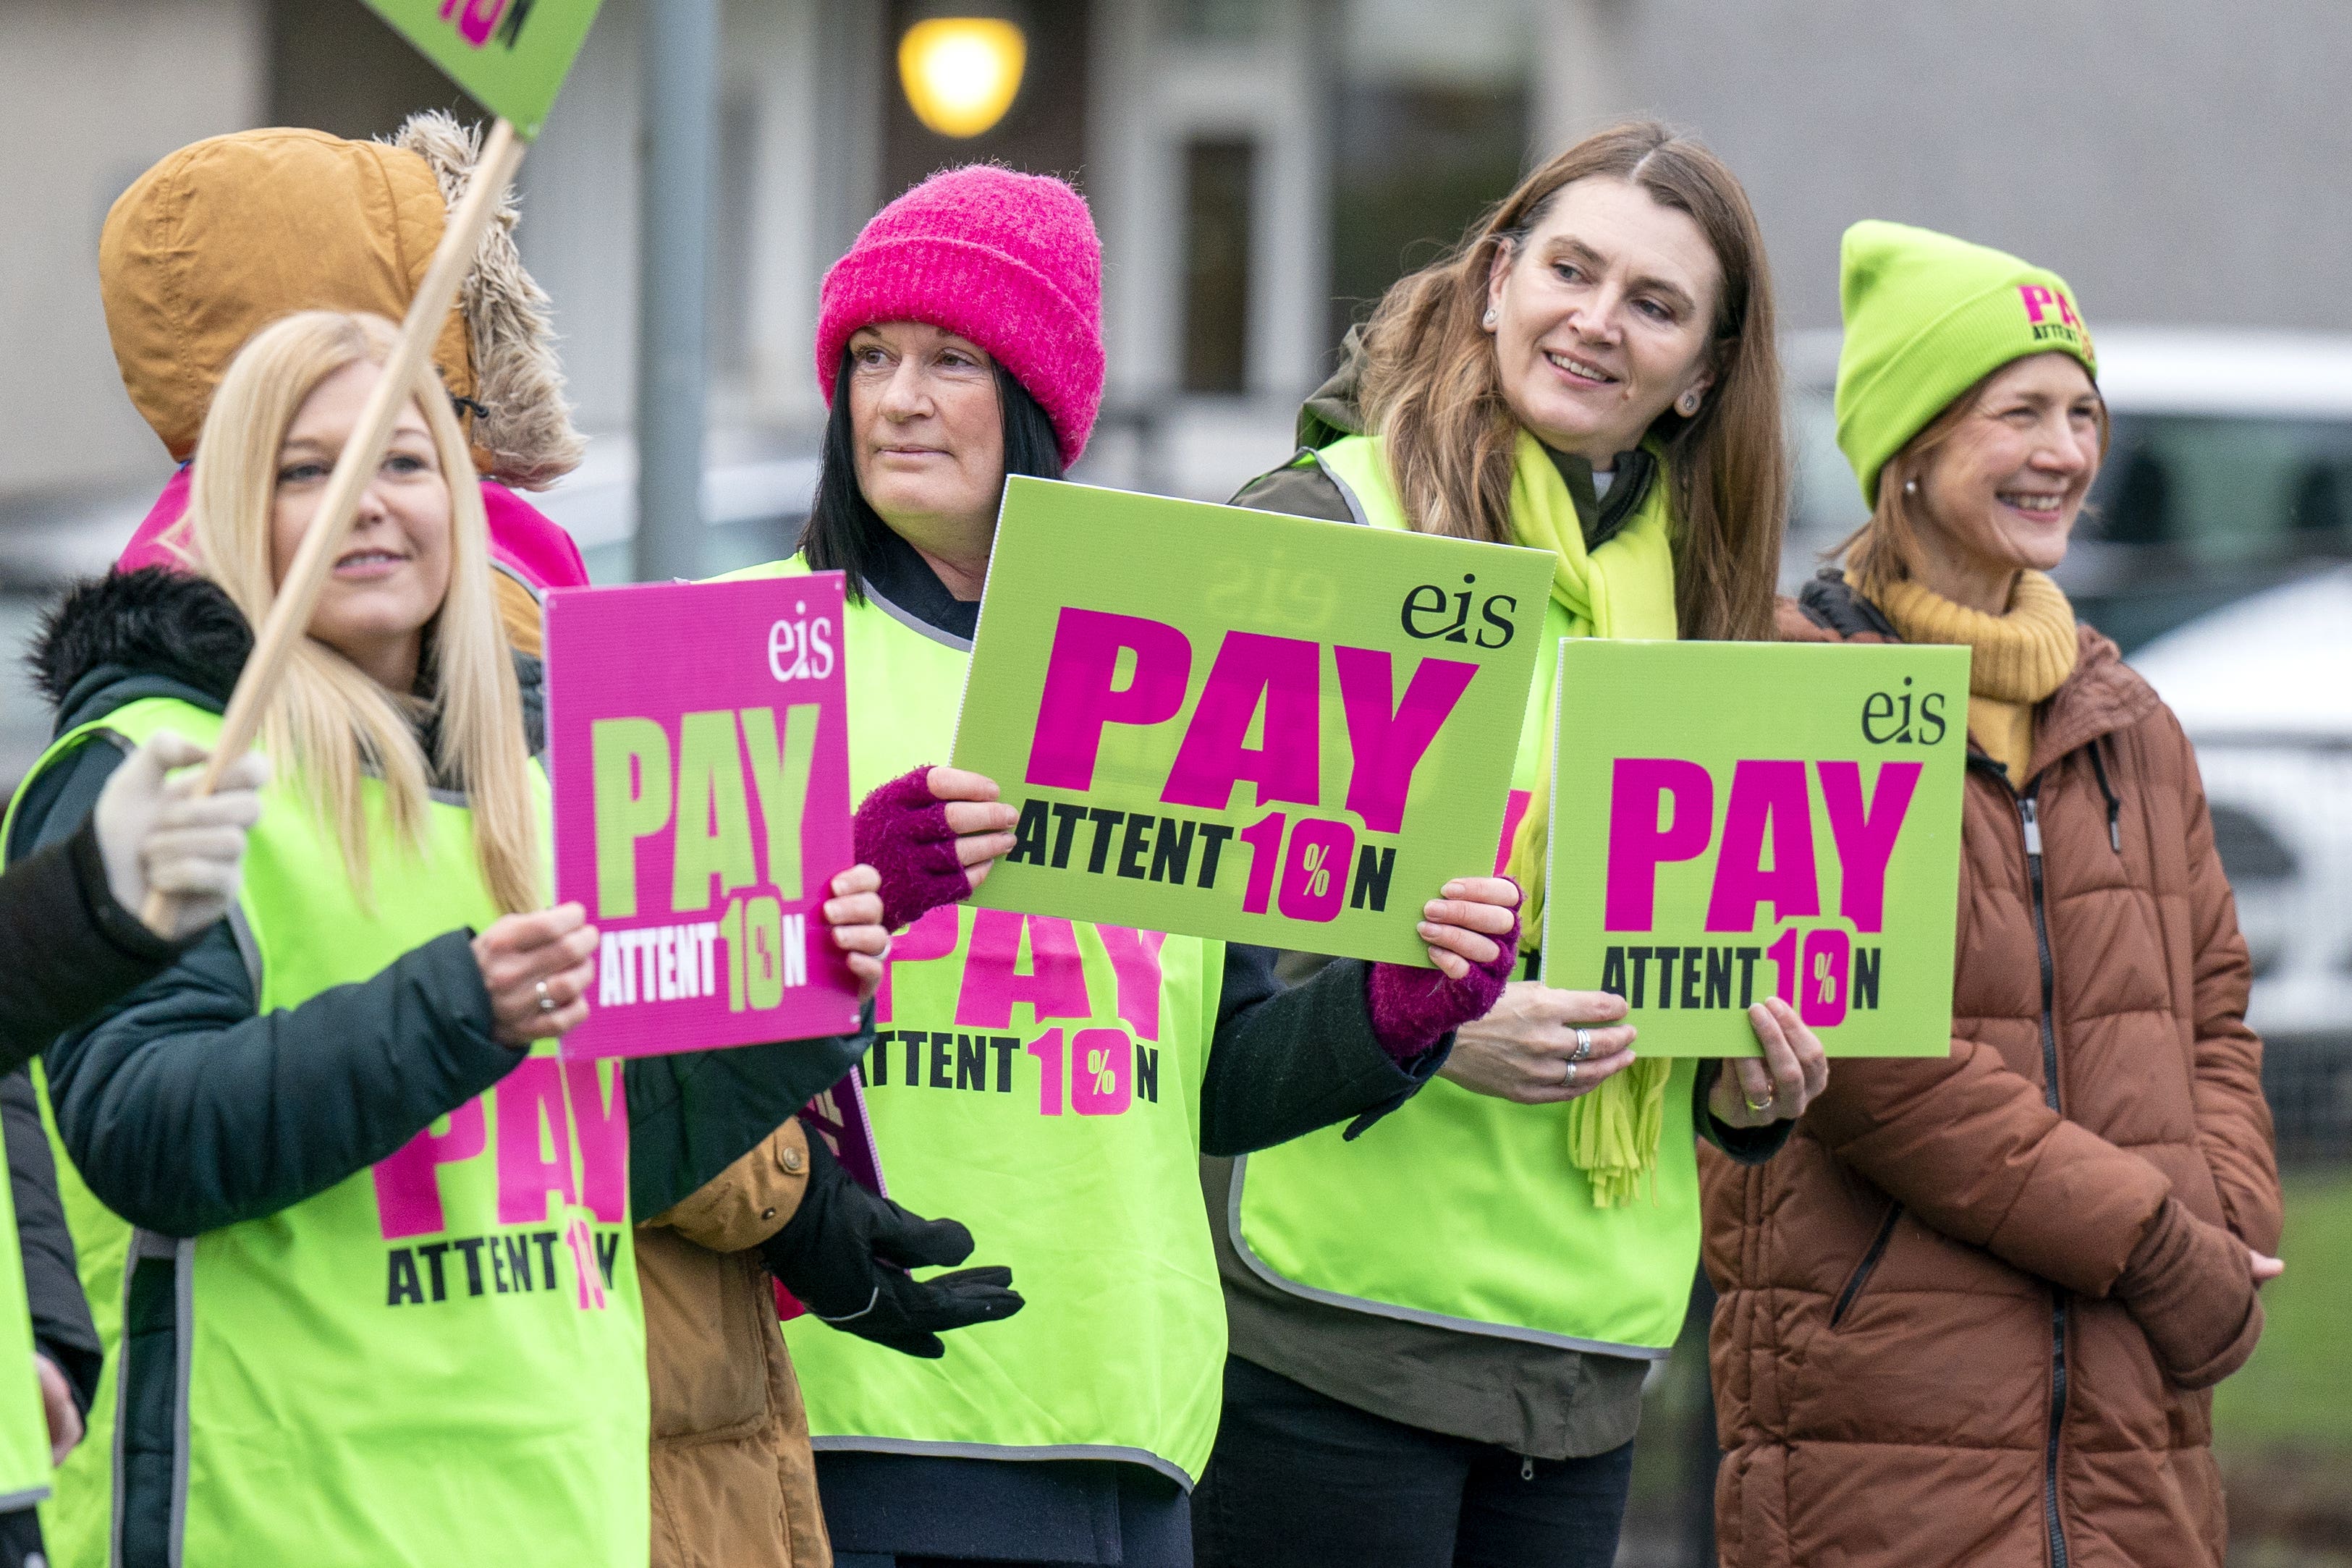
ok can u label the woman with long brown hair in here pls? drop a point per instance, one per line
(1440, 1330)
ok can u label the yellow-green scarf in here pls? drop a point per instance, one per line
(1624, 589)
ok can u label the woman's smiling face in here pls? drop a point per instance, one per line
(393, 571)
(1603, 317)
(2002, 493)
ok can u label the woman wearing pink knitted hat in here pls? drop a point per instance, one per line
(960, 341)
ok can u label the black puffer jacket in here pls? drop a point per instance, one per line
(66, 949)
(186, 1110)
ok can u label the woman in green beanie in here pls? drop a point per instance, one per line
(1970, 1315)
(1440, 1330)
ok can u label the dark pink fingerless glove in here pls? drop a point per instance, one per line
(901, 830)
(1413, 1008)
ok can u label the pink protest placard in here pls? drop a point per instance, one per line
(698, 741)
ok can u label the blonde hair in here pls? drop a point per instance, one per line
(330, 723)
(1433, 393)
(1886, 549)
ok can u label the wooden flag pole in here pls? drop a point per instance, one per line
(298, 595)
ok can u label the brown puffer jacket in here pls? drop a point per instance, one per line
(734, 1483)
(1968, 1315)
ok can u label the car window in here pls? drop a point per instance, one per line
(2227, 490)
(2217, 490)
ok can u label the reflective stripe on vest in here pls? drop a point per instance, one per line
(1462, 1210)
(443, 1354)
(77, 1521)
(23, 1429)
(1039, 1080)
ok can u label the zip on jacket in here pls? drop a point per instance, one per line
(2029, 820)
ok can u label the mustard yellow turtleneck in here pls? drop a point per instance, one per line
(2017, 659)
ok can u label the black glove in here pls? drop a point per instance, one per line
(845, 1254)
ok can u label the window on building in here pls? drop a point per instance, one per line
(1431, 127)
(1218, 174)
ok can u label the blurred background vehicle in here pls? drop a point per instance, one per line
(2265, 688)
(2229, 470)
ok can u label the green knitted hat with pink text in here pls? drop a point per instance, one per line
(1926, 318)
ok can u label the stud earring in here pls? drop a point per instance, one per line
(1687, 405)
(1910, 486)
(1489, 319)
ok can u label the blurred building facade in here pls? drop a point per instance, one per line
(1260, 169)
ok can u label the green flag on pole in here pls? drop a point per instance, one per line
(511, 55)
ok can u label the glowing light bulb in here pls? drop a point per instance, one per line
(961, 73)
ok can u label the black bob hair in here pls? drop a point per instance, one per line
(845, 534)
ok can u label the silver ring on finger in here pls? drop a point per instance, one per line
(1569, 1082)
(546, 1002)
(1583, 1045)
(1760, 1106)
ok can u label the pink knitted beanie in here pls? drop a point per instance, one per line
(1010, 261)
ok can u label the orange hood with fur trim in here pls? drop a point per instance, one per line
(229, 235)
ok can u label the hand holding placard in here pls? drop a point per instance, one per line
(933, 834)
(1241, 725)
(1734, 821)
(702, 811)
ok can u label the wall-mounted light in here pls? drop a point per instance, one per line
(962, 72)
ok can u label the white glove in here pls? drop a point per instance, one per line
(154, 837)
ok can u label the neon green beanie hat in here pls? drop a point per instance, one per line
(1927, 317)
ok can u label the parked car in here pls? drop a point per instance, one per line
(2230, 471)
(2265, 688)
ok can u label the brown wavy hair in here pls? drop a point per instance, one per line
(1432, 394)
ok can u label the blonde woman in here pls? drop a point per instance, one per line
(381, 1302)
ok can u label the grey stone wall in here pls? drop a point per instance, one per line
(2178, 160)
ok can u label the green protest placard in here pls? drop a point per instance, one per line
(511, 55)
(1239, 725)
(1736, 819)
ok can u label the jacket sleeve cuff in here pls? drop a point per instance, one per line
(1418, 1070)
(2231, 1357)
(453, 977)
(748, 1201)
(123, 929)
(2189, 1287)
(1285, 1062)
(80, 1366)
(1741, 1145)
